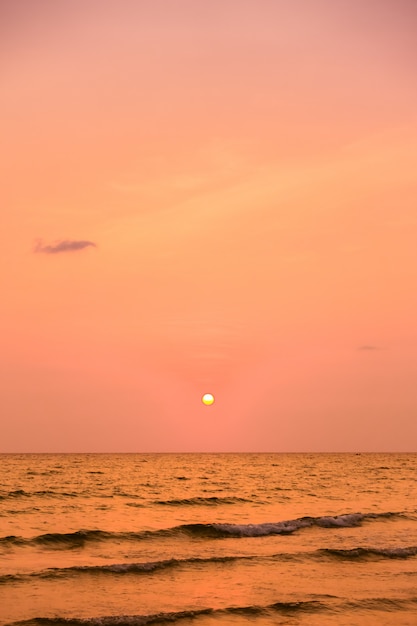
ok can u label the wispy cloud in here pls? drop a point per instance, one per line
(66, 245)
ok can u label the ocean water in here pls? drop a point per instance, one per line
(208, 539)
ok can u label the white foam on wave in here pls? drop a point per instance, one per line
(347, 520)
(260, 530)
(342, 521)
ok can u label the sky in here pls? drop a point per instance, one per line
(208, 197)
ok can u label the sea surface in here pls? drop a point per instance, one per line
(208, 539)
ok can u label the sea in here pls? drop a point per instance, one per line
(208, 539)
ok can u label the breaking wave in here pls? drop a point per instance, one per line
(80, 538)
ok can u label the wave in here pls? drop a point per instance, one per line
(283, 608)
(21, 493)
(80, 538)
(124, 494)
(119, 568)
(363, 554)
(347, 520)
(287, 609)
(148, 567)
(197, 501)
(382, 604)
(60, 540)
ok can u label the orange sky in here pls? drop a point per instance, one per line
(246, 171)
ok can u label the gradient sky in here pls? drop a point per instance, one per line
(208, 196)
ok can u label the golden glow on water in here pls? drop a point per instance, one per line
(53, 501)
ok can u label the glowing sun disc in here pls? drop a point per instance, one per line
(207, 399)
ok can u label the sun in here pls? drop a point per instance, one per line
(207, 399)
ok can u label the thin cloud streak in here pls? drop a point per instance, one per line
(66, 245)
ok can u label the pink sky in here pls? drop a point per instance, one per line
(246, 171)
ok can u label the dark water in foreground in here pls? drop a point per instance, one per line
(266, 539)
